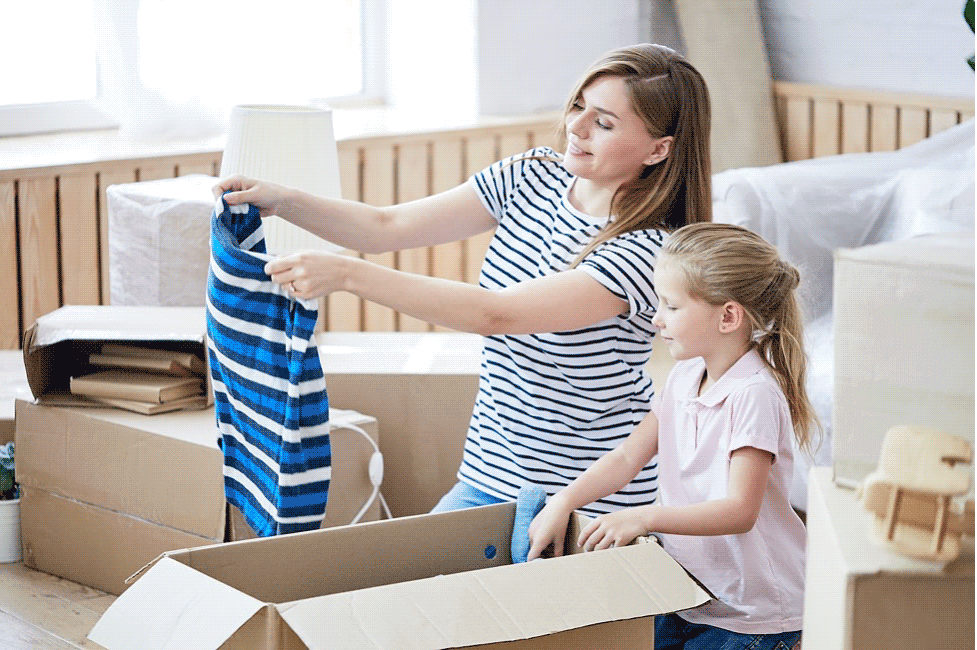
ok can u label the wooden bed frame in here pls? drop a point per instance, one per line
(53, 217)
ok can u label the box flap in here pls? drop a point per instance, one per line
(498, 604)
(120, 322)
(173, 607)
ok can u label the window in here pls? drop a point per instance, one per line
(98, 58)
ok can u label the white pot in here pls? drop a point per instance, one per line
(10, 531)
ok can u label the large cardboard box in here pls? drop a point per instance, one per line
(861, 596)
(104, 491)
(421, 388)
(429, 581)
(904, 344)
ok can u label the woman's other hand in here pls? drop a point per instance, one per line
(310, 274)
(269, 198)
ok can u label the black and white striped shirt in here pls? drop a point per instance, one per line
(550, 404)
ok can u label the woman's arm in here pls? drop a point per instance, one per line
(563, 301)
(609, 474)
(749, 470)
(449, 216)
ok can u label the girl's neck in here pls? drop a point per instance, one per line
(719, 362)
(591, 199)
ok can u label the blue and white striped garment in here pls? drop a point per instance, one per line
(269, 391)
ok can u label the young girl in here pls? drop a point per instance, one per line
(721, 429)
(566, 293)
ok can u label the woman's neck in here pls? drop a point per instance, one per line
(591, 199)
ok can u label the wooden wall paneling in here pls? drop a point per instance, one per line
(81, 273)
(413, 182)
(480, 152)
(884, 134)
(854, 127)
(913, 125)
(344, 310)
(378, 190)
(116, 174)
(943, 119)
(10, 332)
(514, 142)
(797, 138)
(154, 170)
(40, 275)
(447, 171)
(546, 135)
(826, 129)
(205, 167)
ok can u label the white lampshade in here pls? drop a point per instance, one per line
(288, 145)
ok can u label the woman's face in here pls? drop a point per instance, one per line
(607, 143)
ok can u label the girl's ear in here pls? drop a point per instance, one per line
(733, 317)
(660, 150)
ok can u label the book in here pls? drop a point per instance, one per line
(167, 366)
(188, 360)
(132, 385)
(152, 408)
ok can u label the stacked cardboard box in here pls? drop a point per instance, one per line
(904, 344)
(106, 490)
(860, 595)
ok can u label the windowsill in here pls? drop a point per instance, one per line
(87, 147)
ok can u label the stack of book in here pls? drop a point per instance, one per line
(143, 379)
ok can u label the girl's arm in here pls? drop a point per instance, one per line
(736, 513)
(609, 474)
(449, 216)
(560, 302)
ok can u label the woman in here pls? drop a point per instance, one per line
(566, 293)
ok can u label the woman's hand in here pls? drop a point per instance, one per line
(310, 274)
(613, 529)
(269, 198)
(549, 528)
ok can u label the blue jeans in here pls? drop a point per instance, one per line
(672, 632)
(463, 496)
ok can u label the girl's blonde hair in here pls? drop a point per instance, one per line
(670, 96)
(723, 263)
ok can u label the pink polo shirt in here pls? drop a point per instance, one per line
(758, 576)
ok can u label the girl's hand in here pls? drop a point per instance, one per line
(549, 528)
(269, 198)
(613, 529)
(310, 274)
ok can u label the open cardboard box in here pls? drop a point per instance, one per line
(427, 581)
(57, 345)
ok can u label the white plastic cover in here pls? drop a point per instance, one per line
(810, 208)
(159, 241)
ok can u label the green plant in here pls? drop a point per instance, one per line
(8, 486)
(968, 15)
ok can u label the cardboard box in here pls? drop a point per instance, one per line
(13, 386)
(904, 344)
(57, 346)
(430, 581)
(421, 388)
(106, 490)
(860, 596)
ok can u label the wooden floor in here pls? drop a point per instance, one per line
(43, 612)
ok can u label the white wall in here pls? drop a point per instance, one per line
(529, 54)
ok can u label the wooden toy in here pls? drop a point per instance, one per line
(920, 470)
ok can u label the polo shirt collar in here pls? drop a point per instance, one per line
(745, 367)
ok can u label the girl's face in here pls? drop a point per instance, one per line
(689, 326)
(607, 142)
